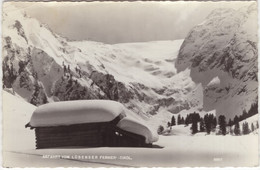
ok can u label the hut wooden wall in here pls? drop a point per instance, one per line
(87, 135)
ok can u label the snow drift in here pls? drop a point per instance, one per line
(178, 150)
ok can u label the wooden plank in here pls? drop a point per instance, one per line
(71, 136)
(67, 131)
(84, 139)
(74, 143)
(68, 134)
(75, 126)
(68, 141)
(63, 144)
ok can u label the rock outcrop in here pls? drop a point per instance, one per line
(224, 46)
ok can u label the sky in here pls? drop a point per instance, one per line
(122, 22)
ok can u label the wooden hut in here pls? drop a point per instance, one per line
(87, 123)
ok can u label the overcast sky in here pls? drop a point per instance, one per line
(118, 22)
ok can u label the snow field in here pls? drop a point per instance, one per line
(175, 150)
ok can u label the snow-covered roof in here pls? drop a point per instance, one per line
(75, 112)
(133, 125)
(91, 111)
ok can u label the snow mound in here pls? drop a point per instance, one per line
(180, 130)
(132, 124)
(75, 112)
(16, 113)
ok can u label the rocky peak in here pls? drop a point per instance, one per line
(224, 46)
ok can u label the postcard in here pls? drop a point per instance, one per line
(130, 84)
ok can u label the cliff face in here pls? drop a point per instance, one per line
(224, 48)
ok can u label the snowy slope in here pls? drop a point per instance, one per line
(222, 55)
(170, 151)
(134, 61)
(16, 114)
(141, 76)
(251, 120)
(183, 130)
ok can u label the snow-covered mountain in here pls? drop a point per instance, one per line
(216, 63)
(42, 67)
(222, 55)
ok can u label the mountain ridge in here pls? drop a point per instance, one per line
(224, 46)
(42, 67)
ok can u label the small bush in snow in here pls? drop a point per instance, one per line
(160, 129)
